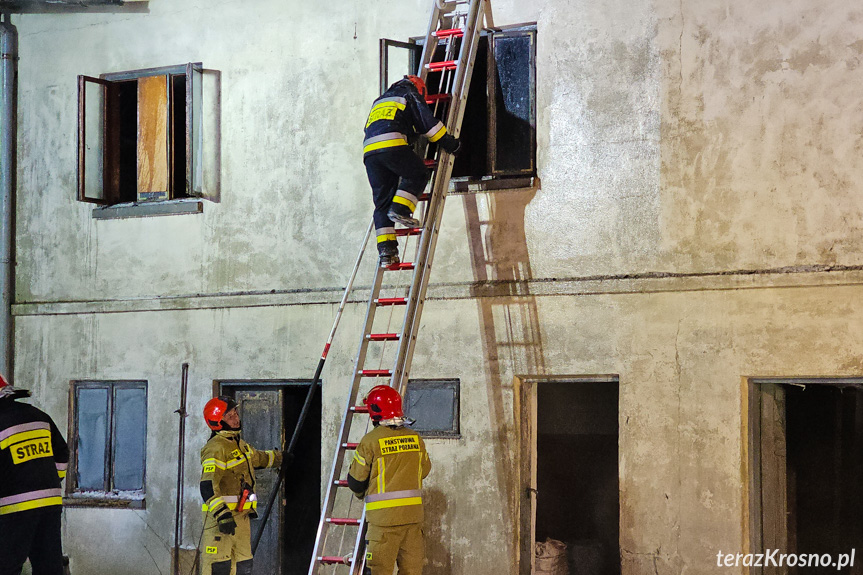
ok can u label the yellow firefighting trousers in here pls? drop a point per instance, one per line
(400, 545)
(217, 546)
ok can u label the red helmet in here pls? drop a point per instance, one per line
(216, 409)
(3, 382)
(384, 402)
(418, 84)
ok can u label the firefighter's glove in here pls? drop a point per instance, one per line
(450, 144)
(227, 525)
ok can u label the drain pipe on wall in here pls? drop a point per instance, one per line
(8, 144)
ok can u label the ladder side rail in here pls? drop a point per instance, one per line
(338, 457)
(358, 561)
(419, 287)
(430, 42)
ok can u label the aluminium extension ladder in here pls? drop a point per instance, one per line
(455, 28)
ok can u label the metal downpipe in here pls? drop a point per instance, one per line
(8, 144)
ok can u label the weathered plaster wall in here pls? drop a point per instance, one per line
(686, 139)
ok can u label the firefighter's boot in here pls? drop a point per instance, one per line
(389, 254)
(406, 220)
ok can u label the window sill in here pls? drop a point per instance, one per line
(149, 209)
(122, 500)
(487, 184)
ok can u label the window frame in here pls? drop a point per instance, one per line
(177, 191)
(500, 179)
(453, 383)
(108, 497)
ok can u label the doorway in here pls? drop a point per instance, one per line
(269, 411)
(570, 467)
(806, 462)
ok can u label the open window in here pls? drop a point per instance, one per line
(498, 131)
(140, 136)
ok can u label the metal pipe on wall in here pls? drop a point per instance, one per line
(8, 145)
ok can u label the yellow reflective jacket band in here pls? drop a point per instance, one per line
(384, 144)
(30, 500)
(231, 502)
(24, 436)
(436, 133)
(214, 462)
(394, 499)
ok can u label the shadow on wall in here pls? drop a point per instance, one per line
(436, 539)
(511, 336)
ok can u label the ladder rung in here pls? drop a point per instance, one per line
(402, 266)
(430, 163)
(359, 409)
(375, 372)
(340, 482)
(349, 445)
(334, 561)
(343, 521)
(383, 337)
(392, 301)
(437, 98)
(409, 231)
(439, 66)
(452, 33)
(424, 197)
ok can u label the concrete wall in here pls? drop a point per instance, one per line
(698, 220)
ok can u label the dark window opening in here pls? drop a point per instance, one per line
(499, 126)
(434, 405)
(109, 443)
(139, 135)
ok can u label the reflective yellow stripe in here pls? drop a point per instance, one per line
(235, 462)
(384, 144)
(62, 473)
(33, 504)
(405, 202)
(250, 504)
(359, 458)
(438, 135)
(382, 484)
(386, 238)
(24, 436)
(394, 503)
(216, 462)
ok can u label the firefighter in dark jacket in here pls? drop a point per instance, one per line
(396, 174)
(228, 490)
(33, 460)
(387, 472)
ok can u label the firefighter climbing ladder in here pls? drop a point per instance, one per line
(454, 31)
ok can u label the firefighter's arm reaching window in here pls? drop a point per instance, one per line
(262, 459)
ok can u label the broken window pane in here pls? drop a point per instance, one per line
(130, 433)
(434, 406)
(92, 437)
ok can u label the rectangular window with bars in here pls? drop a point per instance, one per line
(434, 405)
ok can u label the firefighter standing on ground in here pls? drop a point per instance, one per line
(387, 472)
(33, 460)
(396, 174)
(227, 487)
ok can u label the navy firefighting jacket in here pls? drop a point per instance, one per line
(397, 117)
(33, 458)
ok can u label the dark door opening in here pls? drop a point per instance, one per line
(577, 499)
(806, 468)
(269, 413)
(824, 431)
